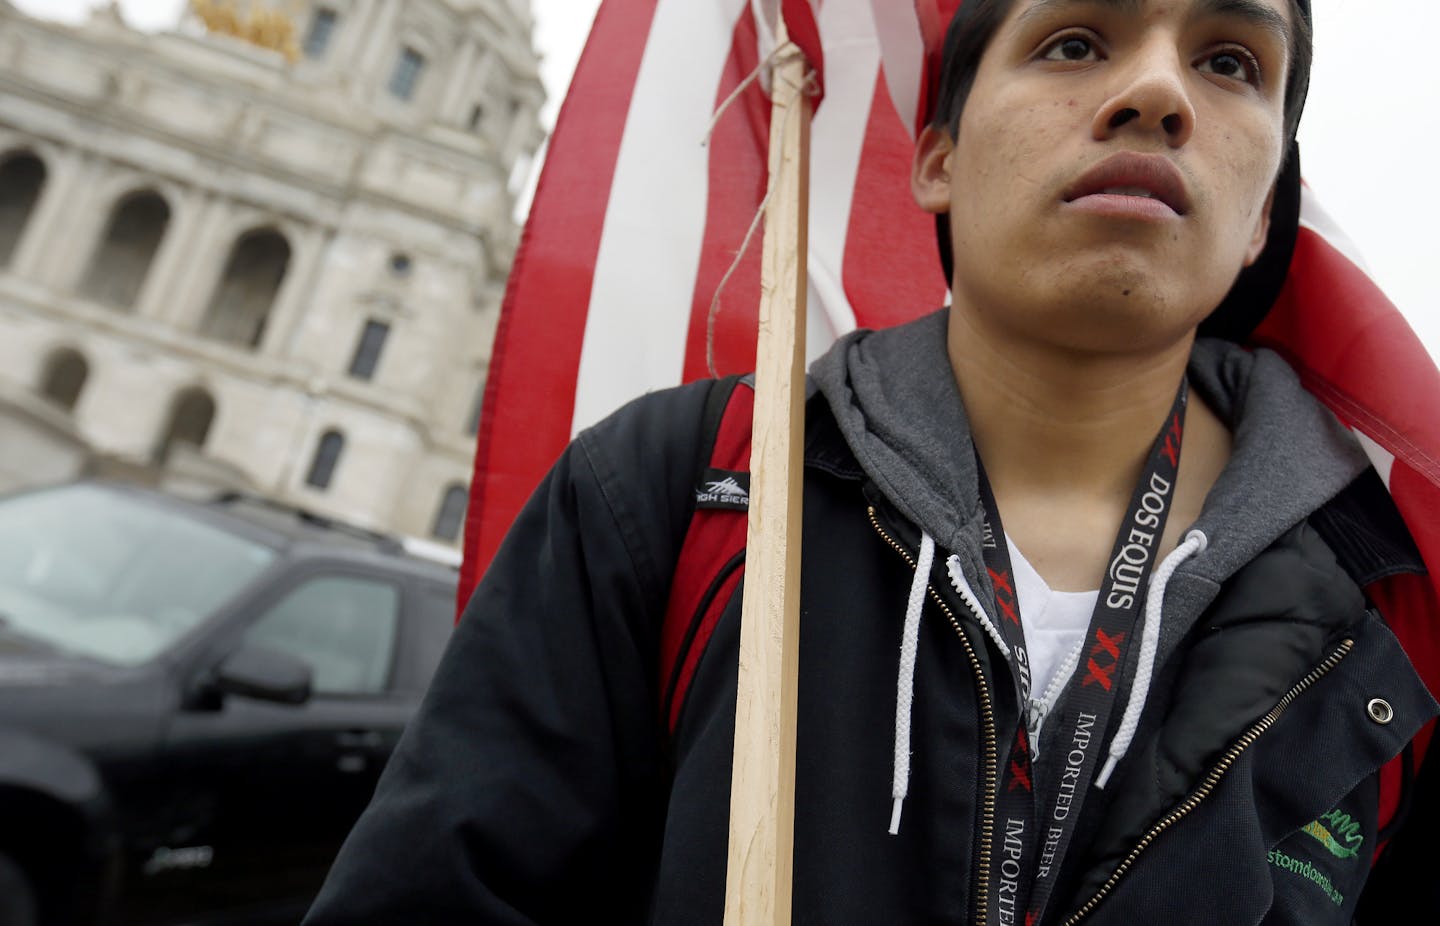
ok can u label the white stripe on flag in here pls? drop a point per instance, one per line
(903, 50)
(1380, 458)
(649, 251)
(1314, 217)
(852, 62)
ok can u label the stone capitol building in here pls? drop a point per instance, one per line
(265, 251)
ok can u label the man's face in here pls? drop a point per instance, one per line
(1111, 171)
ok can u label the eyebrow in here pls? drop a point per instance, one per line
(1251, 11)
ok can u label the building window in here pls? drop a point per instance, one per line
(190, 420)
(327, 457)
(241, 303)
(123, 257)
(65, 375)
(477, 405)
(451, 515)
(406, 73)
(321, 28)
(367, 352)
(21, 178)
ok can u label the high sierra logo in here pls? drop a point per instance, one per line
(722, 488)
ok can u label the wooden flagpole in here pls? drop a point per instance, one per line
(762, 787)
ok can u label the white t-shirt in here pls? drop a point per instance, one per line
(1055, 622)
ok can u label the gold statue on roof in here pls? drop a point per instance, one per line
(257, 24)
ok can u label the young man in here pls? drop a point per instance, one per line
(1138, 680)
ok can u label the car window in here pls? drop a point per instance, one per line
(431, 630)
(114, 576)
(343, 626)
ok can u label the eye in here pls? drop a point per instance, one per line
(1071, 48)
(1234, 63)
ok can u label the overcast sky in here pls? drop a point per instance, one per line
(1370, 136)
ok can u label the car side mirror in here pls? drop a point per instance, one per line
(267, 674)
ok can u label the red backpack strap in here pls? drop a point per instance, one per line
(712, 557)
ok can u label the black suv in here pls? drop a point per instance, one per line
(195, 700)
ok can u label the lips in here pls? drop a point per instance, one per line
(1141, 176)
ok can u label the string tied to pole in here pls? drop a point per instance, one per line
(773, 64)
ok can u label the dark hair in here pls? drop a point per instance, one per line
(1255, 289)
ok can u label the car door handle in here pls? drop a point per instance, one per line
(359, 739)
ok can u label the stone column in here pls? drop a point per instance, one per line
(66, 234)
(521, 127)
(454, 101)
(370, 65)
(353, 30)
(45, 225)
(489, 61)
(159, 294)
(308, 246)
(205, 249)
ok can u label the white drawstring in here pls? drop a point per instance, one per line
(1194, 544)
(905, 682)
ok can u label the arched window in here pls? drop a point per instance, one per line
(477, 405)
(190, 418)
(451, 514)
(21, 178)
(327, 457)
(64, 377)
(246, 292)
(123, 257)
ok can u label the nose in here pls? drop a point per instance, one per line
(1150, 97)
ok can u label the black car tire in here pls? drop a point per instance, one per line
(17, 895)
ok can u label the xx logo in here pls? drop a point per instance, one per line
(1005, 595)
(1020, 763)
(1108, 648)
(1171, 447)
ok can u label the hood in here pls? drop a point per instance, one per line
(894, 397)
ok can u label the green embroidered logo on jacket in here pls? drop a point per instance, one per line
(1335, 828)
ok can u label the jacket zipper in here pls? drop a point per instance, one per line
(987, 715)
(1212, 778)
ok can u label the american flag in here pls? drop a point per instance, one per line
(642, 207)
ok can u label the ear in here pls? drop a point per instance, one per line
(1262, 230)
(930, 170)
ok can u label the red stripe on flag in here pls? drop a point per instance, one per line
(1355, 352)
(805, 32)
(891, 270)
(738, 176)
(934, 17)
(524, 429)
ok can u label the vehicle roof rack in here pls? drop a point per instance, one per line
(385, 542)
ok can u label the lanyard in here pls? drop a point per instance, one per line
(1032, 832)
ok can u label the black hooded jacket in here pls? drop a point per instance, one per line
(537, 784)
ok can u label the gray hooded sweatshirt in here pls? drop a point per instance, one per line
(1290, 455)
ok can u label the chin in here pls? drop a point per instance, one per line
(1122, 317)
